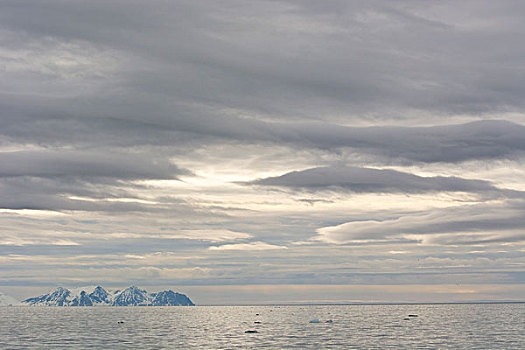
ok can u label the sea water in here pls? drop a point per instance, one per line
(452, 326)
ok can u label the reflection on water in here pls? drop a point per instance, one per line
(467, 326)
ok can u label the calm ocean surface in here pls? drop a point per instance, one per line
(465, 326)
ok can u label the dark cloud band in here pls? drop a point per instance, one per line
(368, 180)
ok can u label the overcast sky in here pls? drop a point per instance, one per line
(264, 151)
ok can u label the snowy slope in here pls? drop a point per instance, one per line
(6, 300)
(132, 296)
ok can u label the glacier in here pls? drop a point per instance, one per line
(98, 296)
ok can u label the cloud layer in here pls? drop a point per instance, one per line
(480, 224)
(275, 142)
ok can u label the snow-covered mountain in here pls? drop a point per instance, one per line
(169, 298)
(132, 296)
(98, 296)
(6, 300)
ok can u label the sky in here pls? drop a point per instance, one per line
(264, 151)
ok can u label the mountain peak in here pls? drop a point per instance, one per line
(131, 296)
(170, 298)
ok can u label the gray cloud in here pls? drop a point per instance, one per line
(373, 181)
(51, 179)
(423, 57)
(450, 143)
(494, 139)
(49, 164)
(469, 224)
(182, 75)
(189, 74)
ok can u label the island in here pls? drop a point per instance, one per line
(98, 296)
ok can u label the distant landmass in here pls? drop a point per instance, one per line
(98, 296)
(6, 300)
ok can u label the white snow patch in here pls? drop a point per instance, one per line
(6, 300)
